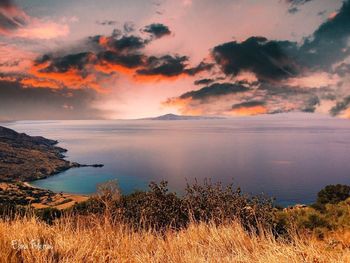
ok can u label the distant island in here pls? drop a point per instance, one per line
(174, 117)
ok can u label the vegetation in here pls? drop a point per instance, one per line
(332, 194)
(208, 223)
(97, 239)
(160, 209)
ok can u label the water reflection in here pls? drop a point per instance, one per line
(288, 156)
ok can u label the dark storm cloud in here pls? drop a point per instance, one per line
(216, 89)
(66, 63)
(17, 102)
(248, 104)
(166, 65)
(203, 66)
(157, 30)
(258, 98)
(269, 60)
(340, 106)
(127, 43)
(121, 50)
(330, 42)
(119, 43)
(111, 54)
(203, 81)
(129, 60)
(170, 66)
(273, 60)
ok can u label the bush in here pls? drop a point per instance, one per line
(332, 194)
(160, 209)
(217, 204)
(156, 209)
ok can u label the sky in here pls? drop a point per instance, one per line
(118, 59)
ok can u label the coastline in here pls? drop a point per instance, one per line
(61, 200)
(28, 184)
(27, 158)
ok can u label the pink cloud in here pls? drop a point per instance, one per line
(16, 23)
(38, 29)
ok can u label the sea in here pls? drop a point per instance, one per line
(289, 157)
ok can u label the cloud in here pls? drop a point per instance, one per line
(14, 22)
(293, 10)
(129, 60)
(11, 17)
(273, 60)
(123, 44)
(295, 4)
(107, 22)
(203, 81)
(105, 58)
(268, 60)
(14, 59)
(278, 76)
(128, 27)
(329, 43)
(341, 106)
(171, 66)
(157, 30)
(18, 103)
(248, 108)
(246, 99)
(216, 89)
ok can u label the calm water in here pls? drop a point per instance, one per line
(287, 156)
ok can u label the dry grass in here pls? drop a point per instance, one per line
(94, 239)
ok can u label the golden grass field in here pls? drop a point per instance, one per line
(95, 239)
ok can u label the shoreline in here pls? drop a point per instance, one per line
(28, 184)
(62, 200)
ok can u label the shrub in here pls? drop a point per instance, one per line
(332, 194)
(212, 202)
(155, 209)
(160, 209)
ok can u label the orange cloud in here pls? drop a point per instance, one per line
(345, 114)
(248, 111)
(8, 78)
(184, 106)
(71, 79)
(39, 83)
(157, 78)
(109, 68)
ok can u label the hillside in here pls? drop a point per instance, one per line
(26, 158)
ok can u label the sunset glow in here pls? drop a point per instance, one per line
(185, 63)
